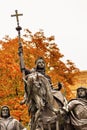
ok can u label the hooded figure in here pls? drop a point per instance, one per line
(7, 122)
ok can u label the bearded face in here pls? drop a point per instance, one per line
(5, 112)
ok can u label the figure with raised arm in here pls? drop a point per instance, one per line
(40, 66)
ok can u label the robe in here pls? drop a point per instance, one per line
(10, 124)
(78, 113)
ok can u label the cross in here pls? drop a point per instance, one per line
(20, 49)
(16, 15)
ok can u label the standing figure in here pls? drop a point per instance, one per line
(77, 111)
(7, 122)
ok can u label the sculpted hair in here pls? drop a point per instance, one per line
(39, 59)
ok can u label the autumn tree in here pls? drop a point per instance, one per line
(34, 45)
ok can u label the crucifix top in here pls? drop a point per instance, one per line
(16, 15)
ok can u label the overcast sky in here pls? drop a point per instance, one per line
(65, 19)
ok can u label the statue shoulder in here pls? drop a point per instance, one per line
(73, 103)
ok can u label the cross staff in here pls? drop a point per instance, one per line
(20, 49)
(16, 15)
(18, 28)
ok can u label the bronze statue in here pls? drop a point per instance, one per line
(44, 103)
(7, 122)
(40, 66)
(43, 100)
(77, 111)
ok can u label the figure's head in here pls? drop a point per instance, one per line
(5, 112)
(40, 63)
(82, 92)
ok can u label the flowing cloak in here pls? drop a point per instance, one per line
(78, 113)
(10, 124)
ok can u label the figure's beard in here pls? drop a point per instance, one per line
(6, 116)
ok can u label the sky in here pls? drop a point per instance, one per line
(65, 19)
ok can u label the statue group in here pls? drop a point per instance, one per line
(48, 107)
